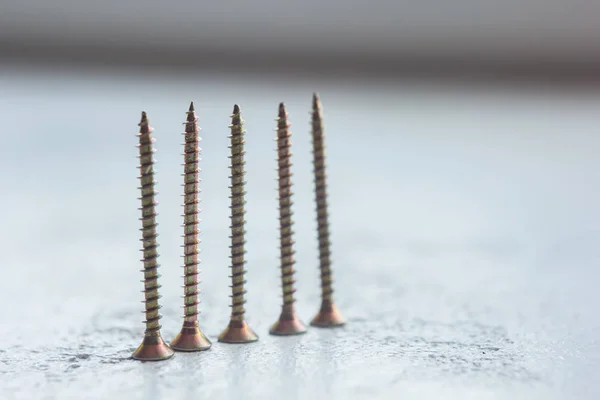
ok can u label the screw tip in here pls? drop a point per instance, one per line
(282, 112)
(236, 109)
(316, 100)
(144, 126)
(191, 115)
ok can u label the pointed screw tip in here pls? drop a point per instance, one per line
(191, 106)
(282, 112)
(316, 100)
(236, 109)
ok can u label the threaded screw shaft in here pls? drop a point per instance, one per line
(191, 337)
(238, 330)
(288, 321)
(153, 347)
(285, 209)
(149, 224)
(321, 200)
(237, 215)
(328, 315)
(191, 200)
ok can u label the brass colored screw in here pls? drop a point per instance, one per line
(238, 330)
(328, 316)
(288, 323)
(190, 338)
(153, 347)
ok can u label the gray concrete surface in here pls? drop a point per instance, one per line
(464, 225)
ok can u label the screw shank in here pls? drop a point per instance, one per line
(285, 209)
(190, 218)
(321, 200)
(149, 235)
(237, 167)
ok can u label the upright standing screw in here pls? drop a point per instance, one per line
(190, 338)
(238, 330)
(153, 347)
(328, 315)
(288, 323)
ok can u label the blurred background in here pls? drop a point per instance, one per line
(536, 38)
(462, 142)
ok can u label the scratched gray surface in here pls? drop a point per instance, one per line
(465, 240)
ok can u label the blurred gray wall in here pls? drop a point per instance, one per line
(376, 35)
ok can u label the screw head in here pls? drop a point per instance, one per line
(190, 338)
(153, 348)
(328, 316)
(288, 324)
(238, 332)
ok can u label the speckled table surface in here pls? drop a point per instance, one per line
(464, 224)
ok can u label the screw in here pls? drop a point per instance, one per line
(328, 316)
(288, 323)
(153, 347)
(238, 330)
(190, 338)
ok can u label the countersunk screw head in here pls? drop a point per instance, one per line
(153, 348)
(190, 338)
(238, 332)
(288, 323)
(328, 316)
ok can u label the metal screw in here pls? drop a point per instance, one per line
(153, 347)
(288, 323)
(191, 338)
(238, 330)
(328, 315)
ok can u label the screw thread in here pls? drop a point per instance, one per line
(321, 200)
(285, 212)
(149, 224)
(191, 200)
(237, 215)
